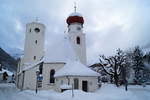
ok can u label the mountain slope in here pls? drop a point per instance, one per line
(14, 52)
(7, 61)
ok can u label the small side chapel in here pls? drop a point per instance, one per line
(62, 69)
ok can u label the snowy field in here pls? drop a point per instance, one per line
(106, 92)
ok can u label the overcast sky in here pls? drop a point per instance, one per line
(109, 24)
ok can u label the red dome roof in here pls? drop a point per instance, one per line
(75, 17)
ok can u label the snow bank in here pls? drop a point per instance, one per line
(66, 86)
(106, 92)
(111, 92)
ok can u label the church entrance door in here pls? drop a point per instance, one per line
(85, 86)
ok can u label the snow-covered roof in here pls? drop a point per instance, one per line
(75, 14)
(28, 66)
(75, 68)
(60, 51)
(8, 72)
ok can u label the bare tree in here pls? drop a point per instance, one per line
(113, 65)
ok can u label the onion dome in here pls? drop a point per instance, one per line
(75, 18)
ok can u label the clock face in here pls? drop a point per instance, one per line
(37, 30)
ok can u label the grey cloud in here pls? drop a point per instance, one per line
(109, 24)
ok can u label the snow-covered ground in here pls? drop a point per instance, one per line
(106, 92)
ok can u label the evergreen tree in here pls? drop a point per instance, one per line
(138, 64)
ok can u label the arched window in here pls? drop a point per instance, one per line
(52, 79)
(30, 30)
(35, 41)
(37, 30)
(78, 40)
(34, 57)
(41, 68)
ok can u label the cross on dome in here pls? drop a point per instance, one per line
(75, 7)
(36, 19)
(75, 17)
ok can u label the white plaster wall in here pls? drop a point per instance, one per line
(92, 82)
(72, 28)
(18, 75)
(47, 67)
(19, 80)
(30, 78)
(32, 49)
(80, 50)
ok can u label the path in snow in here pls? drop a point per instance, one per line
(7, 91)
(143, 93)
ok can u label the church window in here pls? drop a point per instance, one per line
(34, 57)
(76, 83)
(78, 40)
(41, 68)
(37, 30)
(30, 30)
(52, 79)
(35, 41)
(78, 28)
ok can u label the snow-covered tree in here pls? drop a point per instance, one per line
(113, 65)
(146, 71)
(147, 57)
(129, 69)
(98, 68)
(138, 64)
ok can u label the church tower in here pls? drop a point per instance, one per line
(34, 43)
(75, 23)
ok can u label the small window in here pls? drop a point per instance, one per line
(37, 30)
(41, 68)
(30, 30)
(34, 57)
(78, 40)
(52, 79)
(35, 41)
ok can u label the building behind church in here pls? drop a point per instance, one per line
(62, 69)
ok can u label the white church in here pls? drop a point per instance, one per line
(39, 69)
